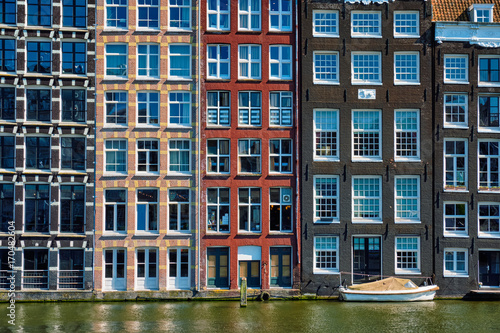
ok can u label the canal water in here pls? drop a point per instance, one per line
(274, 316)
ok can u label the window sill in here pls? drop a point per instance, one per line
(113, 234)
(116, 78)
(245, 127)
(213, 174)
(147, 78)
(332, 159)
(451, 190)
(406, 83)
(278, 80)
(326, 36)
(278, 127)
(147, 174)
(216, 127)
(457, 275)
(36, 234)
(407, 160)
(175, 126)
(455, 82)
(218, 30)
(72, 172)
(74, 76)
(488, 235)
(452, 235)
(249, 233)
(218, 79)
(179, 174)
(115, 126)
(488, 84)
(367, 221)
(115, 174)
(365, 36)
(187, 233)
(402, 221)
(70, 234)
(217, 233)
(71, 124)
(183, 30)
(333, 272)
(184, 79)
(10, 26)
(39, 75)
(406, 36)
(249, 174)
(378, 160)
(73, 29)
(108, 29)
(147, 126)
(280, 174)
(9, 171)
(44, 172)
(493, 191)
(8, 122)
(37, 123)
(327, 221)
(38, 27)
(488, 130)
(325, 83)
(408, 272)
(9, 74)
(139, 233)
(451, 126)
(366, 83)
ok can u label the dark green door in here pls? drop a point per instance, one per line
(218, 267)
(251, 271)
(281, 268)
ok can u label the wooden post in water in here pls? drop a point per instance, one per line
(243, 293)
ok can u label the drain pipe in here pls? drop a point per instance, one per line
(198, 119)
(95, 155)
(297, 150)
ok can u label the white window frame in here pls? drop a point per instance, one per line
(249, 204)
(248, 13)
(357, 200)
(149, 152)
(403, 252)
(251, 110)
(453, 217)
(377, 71)
(491, 186)
(171, 103)
(328, 131)
(149, 57)
(114, 204)
(218, 205)
(150, 120)
(219, 62)
(219, 13)
(456, 69)
(406, 70)
(257, 156)
(147, 203)
(455, 272)
(477, 12)
(221, 111)
(489, 217)
(455, 186)
(285, 195)
(454, 107)
(179, 205)
(218, 156)
(147, 4)
(119, 149)
(487, 83)
(279, 115)
(327, 247)
(280, 13)
(321, 20)
(181, 8)
(376, 27)
(117, 5)
(115, 102)
(147, 264)
(411, 132)
(179, 151)
(248, 61)
(114, 264)
(326, 194)
(328, 74)
(371, 132)
(490, 129)
(404, 24)
(281, 62)
(281, 156)
(170, 63)
(402, 184)
(126, 55)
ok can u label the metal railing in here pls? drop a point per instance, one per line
(70, 279)
(35, 279)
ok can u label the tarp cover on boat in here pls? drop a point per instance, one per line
(390, 283)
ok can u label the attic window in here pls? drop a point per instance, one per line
(481, 13)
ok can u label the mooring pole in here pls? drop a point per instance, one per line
(243, 293)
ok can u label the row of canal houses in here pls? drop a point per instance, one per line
(167, 149)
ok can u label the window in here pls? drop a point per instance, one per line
(38, 104)
(406, 68)
(249, 207)
(455, 164)
(249, 15)
(73, 153)
(406, 24)
(7, 152)
(455, 110)
(116, 60)
(74, 58)
(146, 269)
(455, 263)
(281, 266)
(148, 108)
(366, 68)
(367, 198)
(73, 105)
(5, 270)
(7, 103)
(365, 24)
(218, 209)
(280, 156)
(148, 16)
(489, 161)
(280, 62)
(456, 68)
(489, 70)
(249, 62)
(482, 12)
(179, 61)
(72, 208)
(36, 208)
(280, 213)
(455, 219)
(407, 136)
(178, 210)
(71, 272)
(147, 210)
(39, 12)
(179, 14)
(489, 219)
(116, 107)
(280, 15)
(178, 269)
(39, 57)
(6, 205)
(7, 55)
(326, 67)
(148, 156)
(489, 113)
(280, 108)
(116, 14)
(218, 108)
(149, 60)
(366, 135)
(38, 154)
(218, 155)
(218, 14)
(325, 23)
(407, 255)
(74, 13)
(35, 273)
(218, 62)
(407, 189)
(249, 156)
(115, 273)
(179, 152)
(249, 108)
(115, 155)
(326, 255)
(326, 198)
(8, 12)
(115, 210)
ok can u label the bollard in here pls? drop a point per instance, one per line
(243, 293)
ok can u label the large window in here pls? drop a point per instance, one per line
(71, 272)
(179, 153)
(455, 110)
(218, 108)
(280, 62)
(280, 108)
(249, 209)
(116, 60)
(455, 164)
(326, 198)
(116, 107)
(218, 155)
(407, 255)
(489, 219)
(179, 14)
(218, 209)
(7, 103)
(280, 156)
(249, 154)
(489, 164)
(326, 67)
(72, 208)
(8, 12)
(147, 210)
(39, 12)
(218, 14)
(366, 68)
(147, 269)
(74, 13)
(406, 24)
(115, 269)
(38, 154)
(73, 105)
(249, 62)
(148, 65)
(366, 24)
(250, 108)
(115, 155)
(6, 205)
(38, 104)
(178, 209)
(7, 152)
(117, 14)
(456, 68)
(73, 151)
(249, 15)
(218, 65)
(489, 70)
(366, 136)
(280, 15)
(325, 23)
(455, 219)
(489, 113)
(39, 57)
(179, 108)
(326, 256)
(74, 58)
(7, 55)
(326, 135)
(455, 263)
(179, 61)
(115, 210)
(35, 273)
(367, 198)
(148, 14)
(407, 136)
(280, 214)
(407, 190)
(148, 108)
(148, 156)
(406, 68)
(36, 207)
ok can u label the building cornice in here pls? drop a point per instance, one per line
(482, 34)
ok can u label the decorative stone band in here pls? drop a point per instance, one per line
(482, 34)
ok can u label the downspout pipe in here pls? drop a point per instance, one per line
(198, 119)
(297, 132)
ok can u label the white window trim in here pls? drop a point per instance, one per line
(329, 82)
(249, 12)
(114, 231)
(148, 103)
(456, 234)
(365, 82)
(190, 17)
(250, 108)
(456, 125)
(466, 157)
(282, 203)
(179, 173)
(483, 6)
(281, 154)
(146, 260)
(407, 220)
(485, 129)
(175, 77)
(117, 173)
(336, 156)
(218, 205)
(259, 156)
(280, 13)
(407, 159)
(406, 35)
(218, 155)
(218, 107)
(170, 124)
(366, 35)
(120, 77)
(281, 62)
(281, 108)
(407, 82)
(486, 234)
(402, 271)
(218, 12)
(42, 26)
(158, 216)
(466, 80)
(114, 262)
(249, 204)
(148, 20)
(178, 231)
(324, 270)
(148, 151)
(106, 124)
(377, 158)
(248, 62)
(362, 219)
(325, 35)
(148, 65)
(111, 28)
(454, 273)
(332, 219)
(218, 62)
(489, 189)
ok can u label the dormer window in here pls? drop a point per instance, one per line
(482, 13)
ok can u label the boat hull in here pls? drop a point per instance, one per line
(426, 293)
